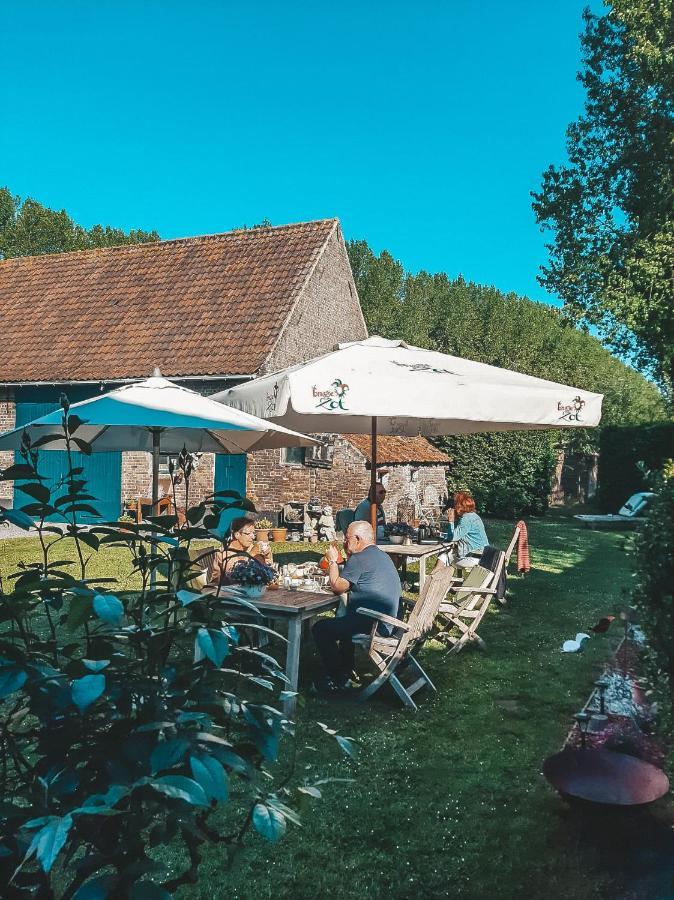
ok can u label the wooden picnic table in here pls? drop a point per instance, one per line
(414, 551)
(296, 606)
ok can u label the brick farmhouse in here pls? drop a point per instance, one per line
(209, 312)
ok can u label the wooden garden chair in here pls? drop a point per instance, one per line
(467, 605)
(511, 546)
(393, 655)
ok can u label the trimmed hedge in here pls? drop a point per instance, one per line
(621, 448)
(508, 474)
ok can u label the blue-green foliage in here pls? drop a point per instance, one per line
(121, 728)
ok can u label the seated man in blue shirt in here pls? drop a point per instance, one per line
(371, 580)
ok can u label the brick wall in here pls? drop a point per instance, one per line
(137, 478)
(328, 311)
(272, 484)
(7, 422)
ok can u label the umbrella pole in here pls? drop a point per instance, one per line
(155, 490)
(373, 477)
(155, 471)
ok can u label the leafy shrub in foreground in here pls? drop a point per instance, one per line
(654, 565)
(128, 717)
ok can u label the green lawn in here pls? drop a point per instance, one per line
(450, 800)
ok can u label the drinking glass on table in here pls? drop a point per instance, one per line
(264, 547)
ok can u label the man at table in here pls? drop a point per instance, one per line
(371, 581)
(362, 513)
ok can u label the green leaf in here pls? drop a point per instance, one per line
(11, 679)
(310, 790)
(179, 787)
(74, 423)
(96, 665)
(91, 540)
(38, 491)
(213, 644)
(268, 822)
(85, 691)
(108, 608)
(346, 744)
(167, 754)
(210, 774)
(49, 841)
(97, 889)
(16, 472)
(84, 446)
(187, 597)
(79, 611)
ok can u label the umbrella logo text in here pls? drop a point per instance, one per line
(570, 412)
(333, 398)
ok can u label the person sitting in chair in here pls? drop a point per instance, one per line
(362, 513)
(466, 531)
(371, 581)
(239, 548)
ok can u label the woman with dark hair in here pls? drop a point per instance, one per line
(240, 547)
(466, 532)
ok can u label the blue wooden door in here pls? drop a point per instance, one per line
(230, 475)
(103, 471)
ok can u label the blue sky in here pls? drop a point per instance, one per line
(422, 125)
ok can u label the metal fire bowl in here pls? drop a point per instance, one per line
(604, 776)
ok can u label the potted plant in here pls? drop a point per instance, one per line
(262, 527)
(125, 520)
(279, 534)
(252, 577)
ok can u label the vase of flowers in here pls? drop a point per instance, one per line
(252, 577)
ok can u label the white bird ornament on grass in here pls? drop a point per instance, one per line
(576, 645)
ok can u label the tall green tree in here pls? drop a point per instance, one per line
(610, 208)
(509, 474)
(27, 228)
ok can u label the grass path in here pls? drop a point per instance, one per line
(450, 801)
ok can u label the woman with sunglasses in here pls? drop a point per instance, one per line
(239, 548)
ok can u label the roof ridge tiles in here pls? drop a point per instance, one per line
(171, 242)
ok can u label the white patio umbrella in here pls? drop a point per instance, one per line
(159, 416)
(388, 387)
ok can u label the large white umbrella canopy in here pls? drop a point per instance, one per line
(388, 387)
(157, 415)
(410, 391)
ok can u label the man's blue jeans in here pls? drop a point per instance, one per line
(333, 639)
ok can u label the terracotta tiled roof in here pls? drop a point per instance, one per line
(400, 450)
(210, 305)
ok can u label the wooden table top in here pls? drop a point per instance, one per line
(284, 601)
(412, 549)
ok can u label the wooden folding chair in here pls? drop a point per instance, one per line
(393, 655)
(511, 546)
(467, 605)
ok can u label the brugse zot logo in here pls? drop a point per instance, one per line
(570, 412)
(333, 398)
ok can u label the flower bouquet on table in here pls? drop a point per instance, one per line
(400, 533)
(252, 577)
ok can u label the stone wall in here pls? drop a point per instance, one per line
(426, 485)
(7, 422)
(328, 311)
